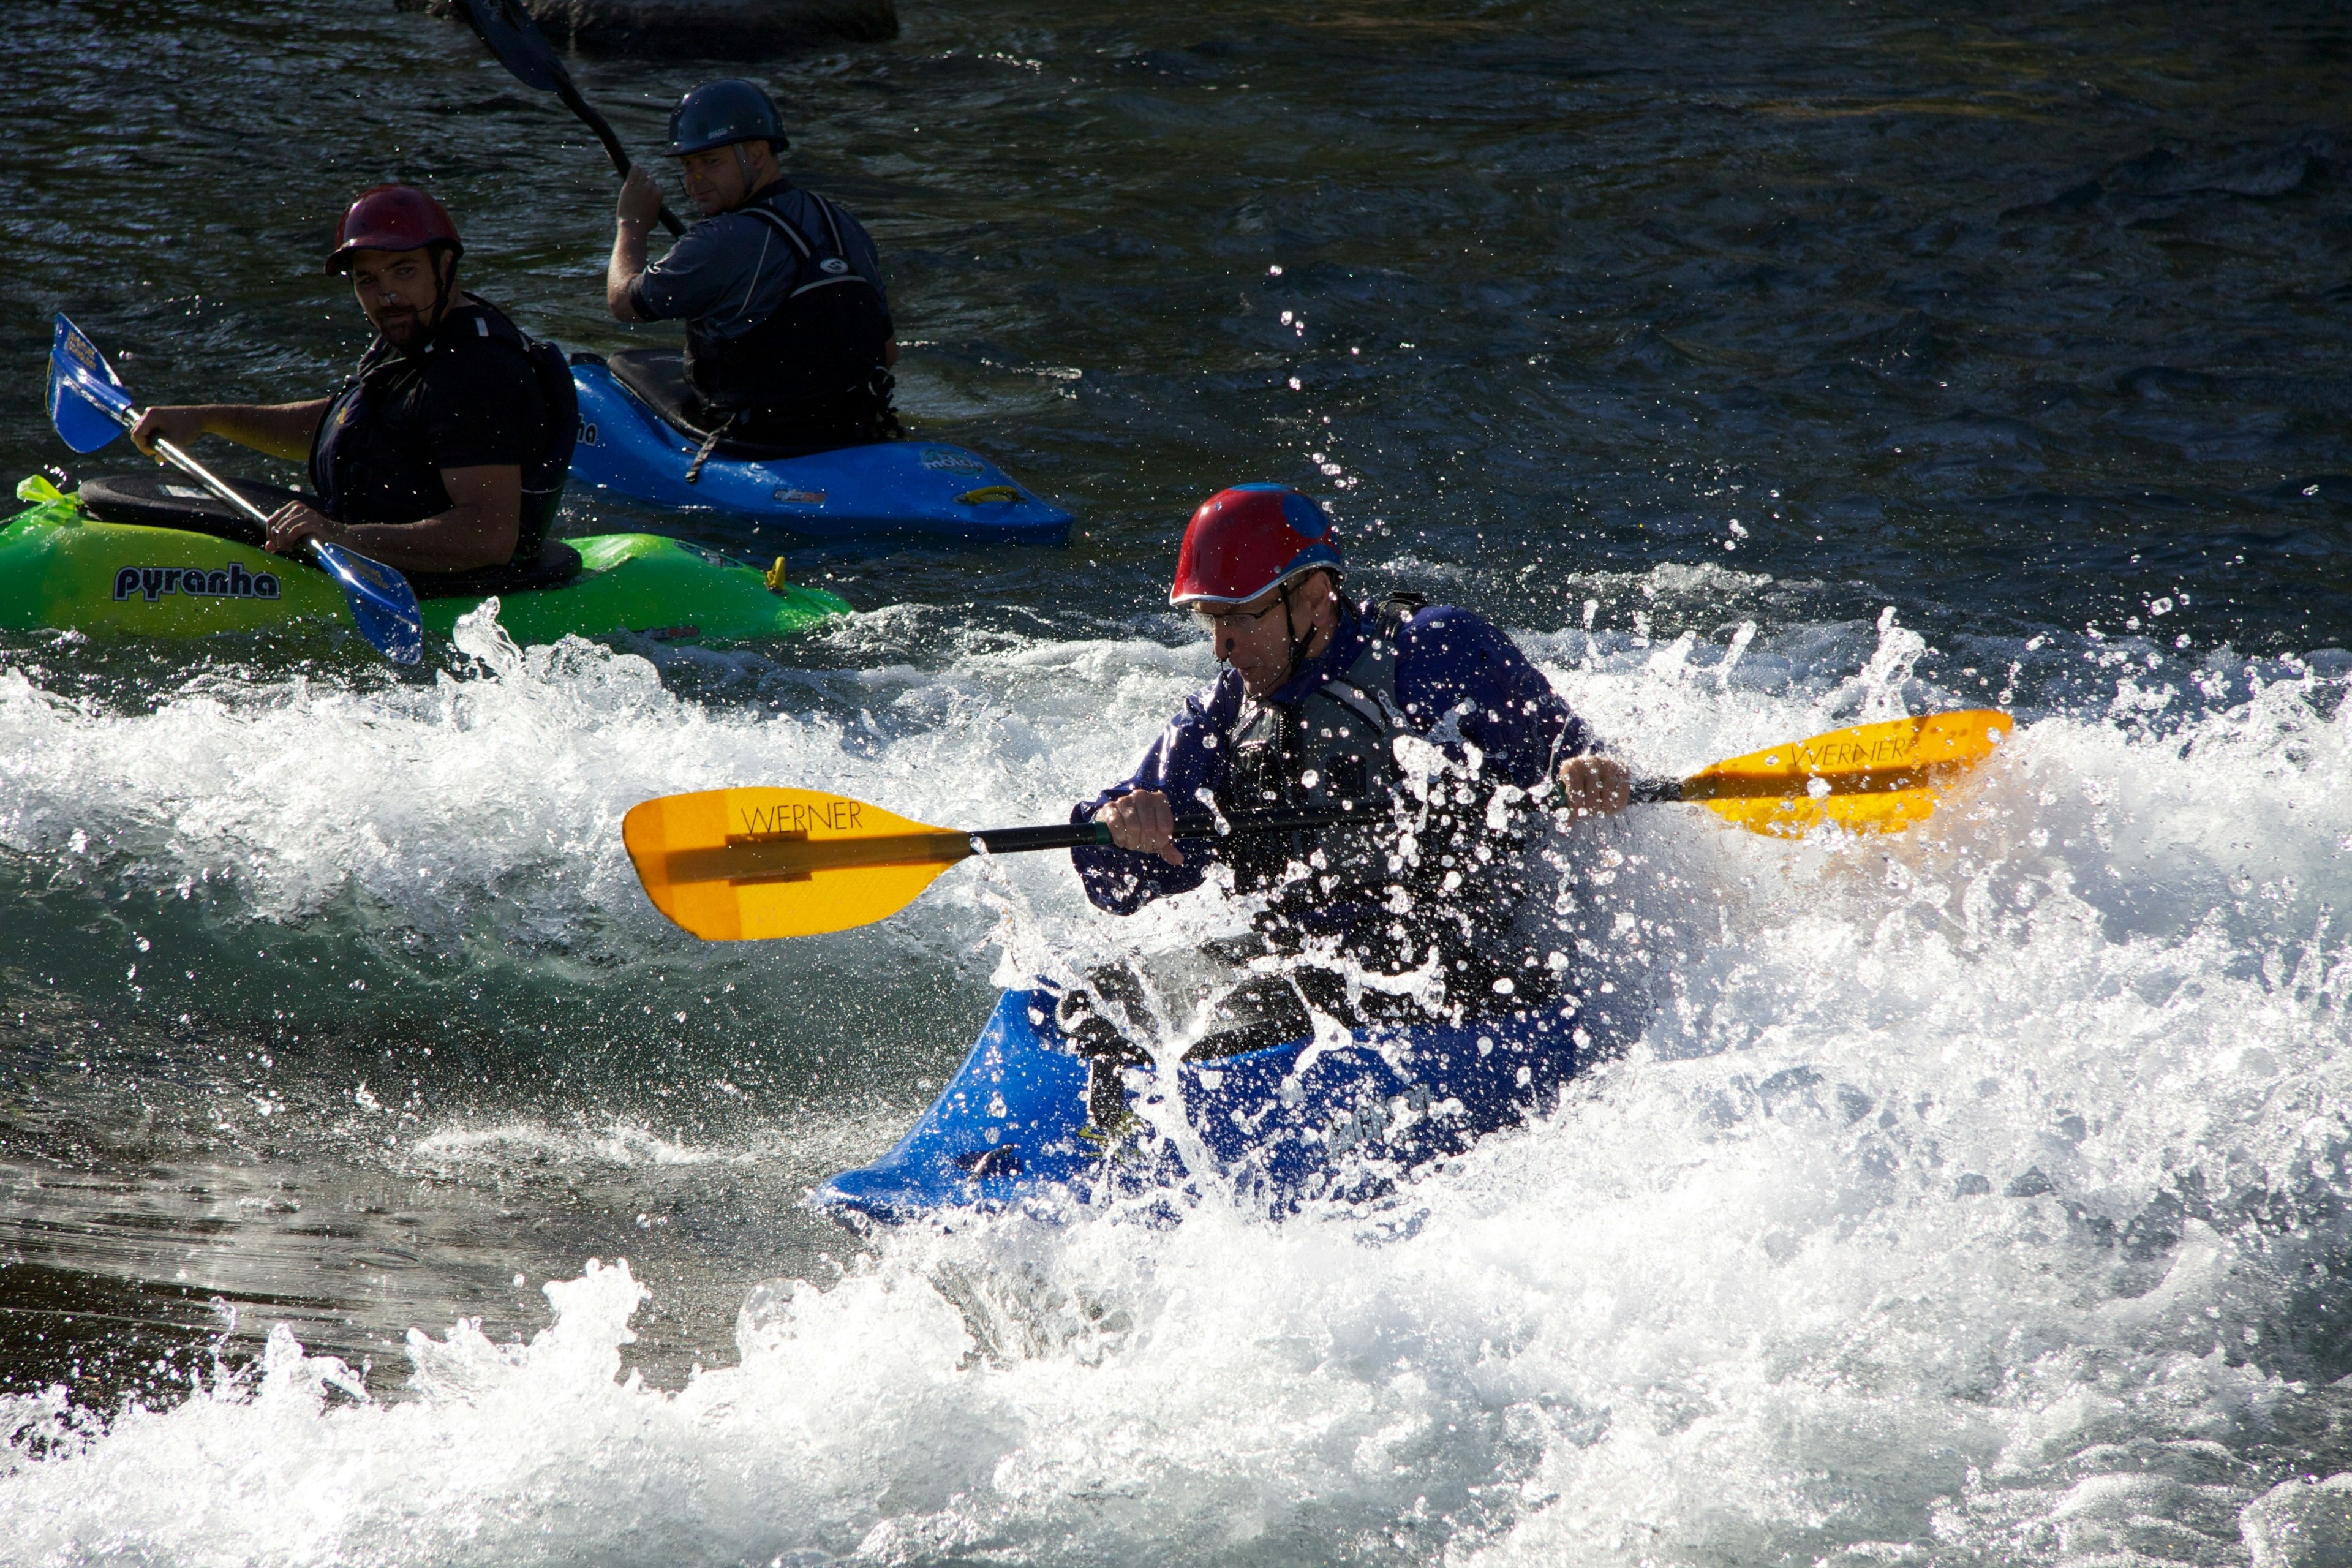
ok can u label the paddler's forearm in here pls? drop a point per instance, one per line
(480, 530)
(442, 543)
(280, 429)
(621, 272)
(458, 540)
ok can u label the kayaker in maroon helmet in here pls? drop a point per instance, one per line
(1439, 906)
(447, 451)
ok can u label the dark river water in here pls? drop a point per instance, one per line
(1760, 368)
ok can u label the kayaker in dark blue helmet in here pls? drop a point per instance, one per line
(1434, 906)
(446, 451)
(788, 333)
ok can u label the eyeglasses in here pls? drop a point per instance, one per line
(1214, 621)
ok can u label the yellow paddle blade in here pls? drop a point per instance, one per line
(1874, 778)
(739, 865)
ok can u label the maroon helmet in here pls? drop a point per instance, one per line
(392, 217)
(1248, 540)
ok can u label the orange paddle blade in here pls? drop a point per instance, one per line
(740, 864)
(1874, 778)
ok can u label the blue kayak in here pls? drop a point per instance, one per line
(1286, 1125)
(891, 489)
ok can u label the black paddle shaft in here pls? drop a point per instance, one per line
(613, 148)
(1078, 835)
(510, 35)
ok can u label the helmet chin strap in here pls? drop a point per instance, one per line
(445, 271)
(1290, 631)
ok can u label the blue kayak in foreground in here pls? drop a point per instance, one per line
(888, 490)
(1286, 1125)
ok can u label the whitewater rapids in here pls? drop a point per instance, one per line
(1967, 1196)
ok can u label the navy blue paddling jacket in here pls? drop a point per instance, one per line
(1449, 662)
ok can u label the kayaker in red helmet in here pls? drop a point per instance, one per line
(446, 453)
(1314, 693)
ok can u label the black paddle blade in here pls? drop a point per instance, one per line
(510, 34)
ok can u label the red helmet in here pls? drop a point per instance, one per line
(392, 218)
(1248, 540)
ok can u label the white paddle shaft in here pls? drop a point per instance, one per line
(210, 481)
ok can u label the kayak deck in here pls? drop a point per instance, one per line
(1284, 1126)
(892, 488)
(59, 569)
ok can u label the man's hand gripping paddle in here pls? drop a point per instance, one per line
(733, 865)
(90, 406)
(508, 31)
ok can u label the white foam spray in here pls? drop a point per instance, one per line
(1958, 1197)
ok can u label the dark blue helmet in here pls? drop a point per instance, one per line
(721, 114)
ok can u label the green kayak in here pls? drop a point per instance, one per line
(60, 568)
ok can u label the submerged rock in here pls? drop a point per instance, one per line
(729, 28)
(2169, 172)
(2302, 1524)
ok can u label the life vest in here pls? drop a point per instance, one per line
(821, 349)
(1464, 881)
(1334, 747)
(371, 460)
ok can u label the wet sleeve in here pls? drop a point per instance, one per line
(1189, 756)
(713, 266)
(482, 406)
(1461, 678)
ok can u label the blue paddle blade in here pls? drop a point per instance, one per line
(88, 402)
(515, 40)
(380, 601)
